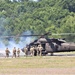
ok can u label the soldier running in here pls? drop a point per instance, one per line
(40, 48)
(25, 50)
(37, 50)
(32, 51)
(18, 52)
(7, 52)
(14, 52)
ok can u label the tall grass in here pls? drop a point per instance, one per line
(38, 62)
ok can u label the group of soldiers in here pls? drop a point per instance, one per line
(16, 52)
(38, 49)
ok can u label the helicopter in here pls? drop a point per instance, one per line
(51, 45)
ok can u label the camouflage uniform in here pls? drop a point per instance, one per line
(40, 48)
(14, 52)
(25, 51)
(32, 51)
(37, 50)
(7, 52)
(18, 52)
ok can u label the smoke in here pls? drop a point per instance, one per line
(3, 22)
(10, 42)
(23, 41)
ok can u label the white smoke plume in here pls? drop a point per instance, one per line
(11, 43)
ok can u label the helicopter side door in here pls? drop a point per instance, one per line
(43, 45)
(64, 47)
(49, 47)
(72, 46)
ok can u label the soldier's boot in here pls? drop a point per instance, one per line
(37, 53)
(40, 53)
(33, 53)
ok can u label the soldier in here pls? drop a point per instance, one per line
(25, 50)
(40, 48)
(7, 52)
(37, 50)
(32, 51)
(14, 52)
(18, 52)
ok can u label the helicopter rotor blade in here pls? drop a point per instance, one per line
(46, 34)
(26, 35)
(19, 36)
(64, 34)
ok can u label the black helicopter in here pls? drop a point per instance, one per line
(52, 45)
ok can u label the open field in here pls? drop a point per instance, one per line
(44, 65)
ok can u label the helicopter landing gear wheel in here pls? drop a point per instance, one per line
(51, 53)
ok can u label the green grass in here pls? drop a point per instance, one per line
(38, 62)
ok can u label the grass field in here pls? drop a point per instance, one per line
(44, 65)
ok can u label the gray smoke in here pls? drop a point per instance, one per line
(10, 42)
(23, 41)
(3, 22)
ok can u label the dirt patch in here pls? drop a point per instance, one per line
(38, 71)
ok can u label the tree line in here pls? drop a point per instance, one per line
(56, 16)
